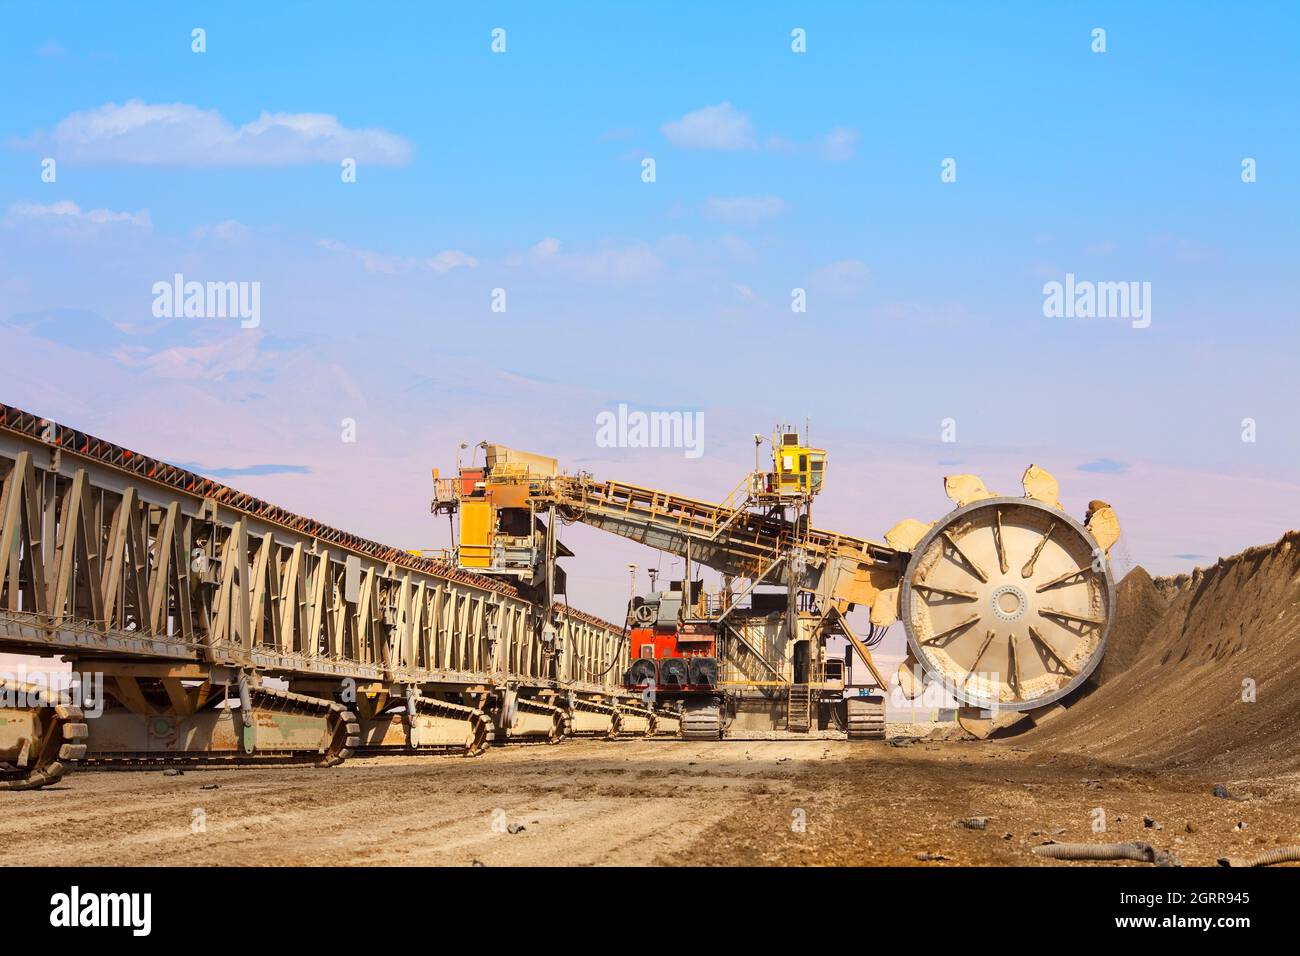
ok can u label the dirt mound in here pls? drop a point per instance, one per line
(1190, 653)
(1170, 587)
(1139, 606)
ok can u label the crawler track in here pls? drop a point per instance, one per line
(702, 721)
(866, 718)
(41, 745)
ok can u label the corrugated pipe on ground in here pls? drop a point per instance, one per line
(1283, 854)
(1140, 852)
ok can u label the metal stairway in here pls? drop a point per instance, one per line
(799, 714)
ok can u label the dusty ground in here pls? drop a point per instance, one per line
(632, 802)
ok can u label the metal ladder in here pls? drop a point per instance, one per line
(799, 714)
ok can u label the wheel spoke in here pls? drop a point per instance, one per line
(952, 630)
(1015, 664)
(988, 639)
(1028, 569)
(1042, 641)
(997, 540)
(1076, 573)
(1067, 616)
(951, 592)
(974, 568)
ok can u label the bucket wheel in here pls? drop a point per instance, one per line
(1008, 602)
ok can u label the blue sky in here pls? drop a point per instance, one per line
(774, 171)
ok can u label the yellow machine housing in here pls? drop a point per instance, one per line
(499, 527)
(797, 469)
(476, 522)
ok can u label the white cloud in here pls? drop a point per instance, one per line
(178, 134)
(378, 262)
(738, 248)
(450, 259)
(228, 230)
(724, 127)
(620, 263)
(746, 210)
(372, 261)
(696, 254)
(67, 212)
(840, 144)
(712, 127)
(845, 277)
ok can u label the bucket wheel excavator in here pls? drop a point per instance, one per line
(1006, 601)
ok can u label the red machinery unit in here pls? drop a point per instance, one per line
(678, 659)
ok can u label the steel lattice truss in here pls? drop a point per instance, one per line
(105, 552)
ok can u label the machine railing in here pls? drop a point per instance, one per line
(735, 504)
(733, 526)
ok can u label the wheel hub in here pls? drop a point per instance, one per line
(1009, 603)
